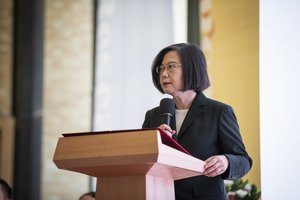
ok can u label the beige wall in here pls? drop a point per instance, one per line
(230, 39)
(6, 119)
(6, 28)
(67, 89)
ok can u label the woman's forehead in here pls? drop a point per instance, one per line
(171, 56)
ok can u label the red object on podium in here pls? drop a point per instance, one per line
(132, 164)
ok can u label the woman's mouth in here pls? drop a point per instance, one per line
(166, 83)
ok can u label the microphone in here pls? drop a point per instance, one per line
(166, 110)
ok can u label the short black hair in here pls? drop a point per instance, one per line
(88, 194)
(194, 67)
(7, 190)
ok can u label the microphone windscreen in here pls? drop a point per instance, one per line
(167, 106)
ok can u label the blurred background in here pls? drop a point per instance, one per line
(82, 65)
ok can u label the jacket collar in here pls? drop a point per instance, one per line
(195, 111)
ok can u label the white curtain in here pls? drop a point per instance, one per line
(129, 34)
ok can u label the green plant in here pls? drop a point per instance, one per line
(241, 190)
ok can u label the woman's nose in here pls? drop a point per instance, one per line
(164, 72)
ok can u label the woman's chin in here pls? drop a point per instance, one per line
(168, 92)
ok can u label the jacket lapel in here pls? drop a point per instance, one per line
(195, 111)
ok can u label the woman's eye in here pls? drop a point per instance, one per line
(170, 66)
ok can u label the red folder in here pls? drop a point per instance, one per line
(167, 140)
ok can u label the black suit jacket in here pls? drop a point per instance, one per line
(209, 128)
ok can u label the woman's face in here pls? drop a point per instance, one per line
(171, 74)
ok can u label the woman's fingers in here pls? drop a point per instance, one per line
(168, 129)
(215, 165)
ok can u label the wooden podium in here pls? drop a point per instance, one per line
(133, 165)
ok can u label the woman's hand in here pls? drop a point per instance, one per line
(168, 129)
(215, 165)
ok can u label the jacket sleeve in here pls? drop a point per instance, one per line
(146, 123)
(232, 145)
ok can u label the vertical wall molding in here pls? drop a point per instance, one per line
(27, 105)
(193, 22)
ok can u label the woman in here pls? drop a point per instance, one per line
(6, 192)
(88, 196)
(206, 128)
